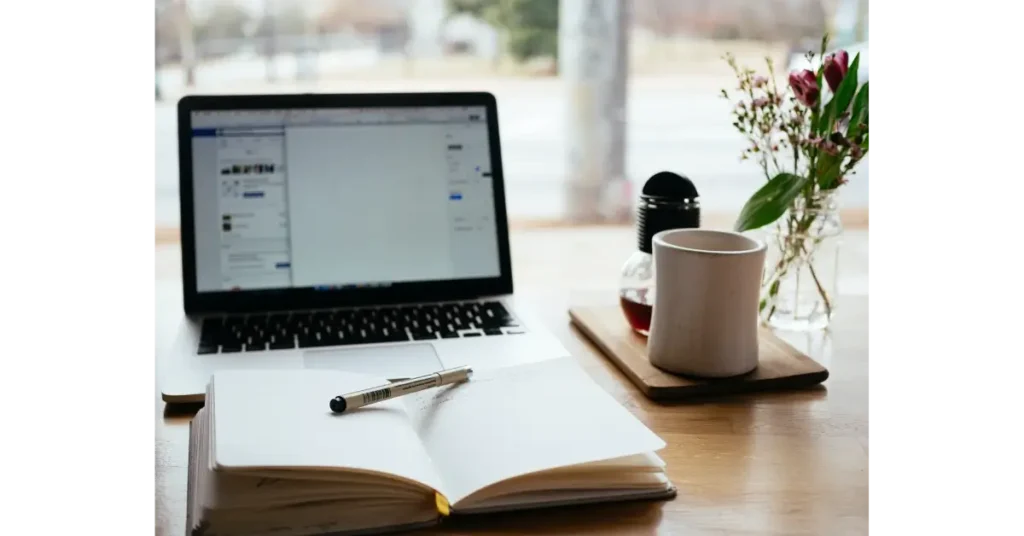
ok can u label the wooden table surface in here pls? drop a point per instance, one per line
(782, 463)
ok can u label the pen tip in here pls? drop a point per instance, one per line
(338, 404)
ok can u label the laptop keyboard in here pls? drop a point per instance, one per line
(280, 331)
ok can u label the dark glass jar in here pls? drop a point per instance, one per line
(668, 201)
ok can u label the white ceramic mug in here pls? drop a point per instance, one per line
(707, 287)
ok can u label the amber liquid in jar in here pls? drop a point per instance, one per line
(637, 309)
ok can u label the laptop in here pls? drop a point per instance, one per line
(359, 232)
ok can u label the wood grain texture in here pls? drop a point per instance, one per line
(778, 463)
(780, 365)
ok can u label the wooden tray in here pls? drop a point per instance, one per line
(781, 366)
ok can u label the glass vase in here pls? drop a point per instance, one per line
(799, 287)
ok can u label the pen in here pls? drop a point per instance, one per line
(358, 399)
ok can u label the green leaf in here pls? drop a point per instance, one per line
(859, 114)
(847, 88)
(822, 127)
(821, 93)
(827, 169)
(770, 202)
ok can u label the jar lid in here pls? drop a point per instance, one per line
(667, 201)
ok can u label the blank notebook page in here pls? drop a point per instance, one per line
(509, 422)
(281, 419)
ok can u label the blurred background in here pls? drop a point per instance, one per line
(594, 96)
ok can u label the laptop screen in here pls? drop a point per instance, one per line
(335, 198)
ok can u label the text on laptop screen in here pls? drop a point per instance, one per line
(342, 197)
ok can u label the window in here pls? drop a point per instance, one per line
(575, 148)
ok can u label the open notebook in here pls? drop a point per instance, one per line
(268, 457)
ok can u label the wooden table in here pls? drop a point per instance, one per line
(783, 463)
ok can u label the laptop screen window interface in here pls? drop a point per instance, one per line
(342, 197)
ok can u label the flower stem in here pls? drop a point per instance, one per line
(793, 243)
(821, 289)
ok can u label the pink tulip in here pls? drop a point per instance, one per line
(836, 66)
(805, 86)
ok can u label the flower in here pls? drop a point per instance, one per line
(805, 86)
(790, 137)
(835, 67)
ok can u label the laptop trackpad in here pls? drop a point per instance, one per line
(391, 362)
